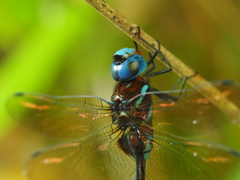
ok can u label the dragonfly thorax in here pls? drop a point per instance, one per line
(119, 105)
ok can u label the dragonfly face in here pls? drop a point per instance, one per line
(128, 64)
(139, 134)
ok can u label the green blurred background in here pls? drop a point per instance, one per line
(65, 48)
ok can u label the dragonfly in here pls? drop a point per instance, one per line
(141, 133)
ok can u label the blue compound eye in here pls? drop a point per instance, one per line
(128, 69)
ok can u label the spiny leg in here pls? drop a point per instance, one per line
(167, 97)
(152, 57)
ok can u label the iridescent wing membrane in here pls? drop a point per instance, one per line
(94, 157)
(65, 117)
(173, 157)
(192, 113)
(96, 154)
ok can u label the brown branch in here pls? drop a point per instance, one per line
(209, 91)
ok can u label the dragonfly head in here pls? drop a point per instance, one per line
(127, 64)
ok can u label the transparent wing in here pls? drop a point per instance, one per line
(95, 157)
(176, 158)
(65, 117)
(192, 113)
(98, 157)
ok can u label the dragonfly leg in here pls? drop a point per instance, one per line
(183, 80)
(150, 69)
(161, 71)
(152, 57)
(167, 97)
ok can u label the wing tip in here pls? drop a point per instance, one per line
(236, 153)
(19, 94)
(228, 82)
(35, 154)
